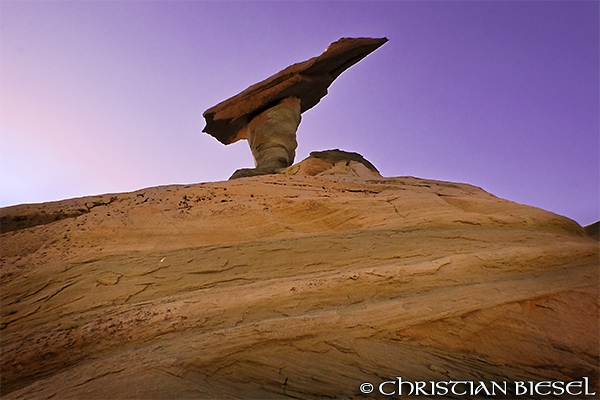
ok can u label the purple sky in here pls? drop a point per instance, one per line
(107, 96)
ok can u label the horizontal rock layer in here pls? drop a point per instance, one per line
(292, 286)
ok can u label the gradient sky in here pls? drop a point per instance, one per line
(107, 96)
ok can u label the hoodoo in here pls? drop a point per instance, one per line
(267, 114)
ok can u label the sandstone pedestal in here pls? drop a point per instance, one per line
(272, 138)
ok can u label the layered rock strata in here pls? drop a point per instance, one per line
(304, 284)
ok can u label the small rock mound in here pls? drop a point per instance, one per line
(340, 155)
(334, 162)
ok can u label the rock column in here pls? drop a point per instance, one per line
(272, 138)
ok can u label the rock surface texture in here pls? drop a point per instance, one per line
(307, 80)
(303, 284)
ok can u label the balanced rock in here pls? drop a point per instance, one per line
(307, 80)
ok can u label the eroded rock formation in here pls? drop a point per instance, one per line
(303, 284)
(272, 138)
(307, 80)
(268, 113)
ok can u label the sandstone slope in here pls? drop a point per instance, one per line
(300, 285)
